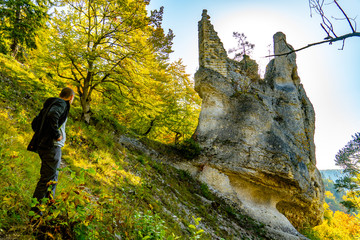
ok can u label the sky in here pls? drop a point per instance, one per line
(331, 77)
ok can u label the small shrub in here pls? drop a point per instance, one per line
(148, 226)
(205, 191)
(194, 229)
(189, 149)
(184, 176)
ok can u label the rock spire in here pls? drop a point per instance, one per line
(257, 136)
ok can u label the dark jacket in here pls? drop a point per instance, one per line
(56, 116)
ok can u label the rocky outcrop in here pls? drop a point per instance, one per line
(257, 136)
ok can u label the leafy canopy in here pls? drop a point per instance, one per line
(349, 159)
(111, 47)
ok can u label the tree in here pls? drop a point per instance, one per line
(248, 66)
(20, 21)
(349, 159)
(337, 225)
(333, 197)
(165, 110)
(243, 47)
(180, 107)
(112, 46)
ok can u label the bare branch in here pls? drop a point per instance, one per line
(342, 48)
(328, 35)
(326, 23)
(341, 38)
(347, 18)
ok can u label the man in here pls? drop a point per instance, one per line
(51, 139)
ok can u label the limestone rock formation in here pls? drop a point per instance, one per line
(257, 136)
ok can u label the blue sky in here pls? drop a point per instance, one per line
(331, 77)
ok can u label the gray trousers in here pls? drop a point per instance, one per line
(50, 162)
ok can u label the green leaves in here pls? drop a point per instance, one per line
(20, 22)
(349, 159)
(148, 226)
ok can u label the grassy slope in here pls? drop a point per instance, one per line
(106, 190)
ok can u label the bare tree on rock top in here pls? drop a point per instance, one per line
(242, 52)
(318, 6)
(243, 48)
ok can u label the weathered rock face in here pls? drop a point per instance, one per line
(257, 135)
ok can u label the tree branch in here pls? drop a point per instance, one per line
(340, 38)
(62, 76)
(347, 18)
(77, 69)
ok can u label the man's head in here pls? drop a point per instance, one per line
(67, 94)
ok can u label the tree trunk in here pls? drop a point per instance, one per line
(85, 102)
(151, 126)
(14, 48)
(177, 137)
(15, 41)
(85, 105)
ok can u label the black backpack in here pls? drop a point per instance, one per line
(34, 142)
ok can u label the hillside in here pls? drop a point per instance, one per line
(333, 197)
(331, 174)
(113, 183)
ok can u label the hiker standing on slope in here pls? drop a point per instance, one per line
(49, 126)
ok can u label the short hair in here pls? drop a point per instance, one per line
(67, 92)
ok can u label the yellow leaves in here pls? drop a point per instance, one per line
(51, 183)
(338, 225)
(10, 201)
(42, 207)
(56, 213)
(194, 228)
(50, 235)
(136, 180)
(329, 195)
(65, 196)
(4, 115)
(103, 166)
(168, 105)
(14, 154)
(327, 213)
(7, 200)
(15, 69)
(353, 197)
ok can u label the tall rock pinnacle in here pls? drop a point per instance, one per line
(257, 136)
